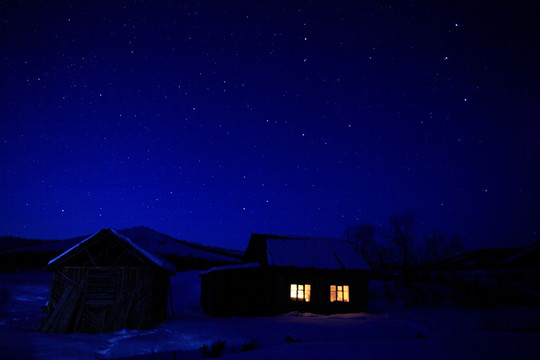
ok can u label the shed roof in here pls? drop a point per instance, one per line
(252, 265)
(303, 252)
(107, 232)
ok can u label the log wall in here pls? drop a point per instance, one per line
(96, 299)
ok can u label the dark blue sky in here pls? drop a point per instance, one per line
(210, 120)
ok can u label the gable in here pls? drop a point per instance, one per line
(109, 248)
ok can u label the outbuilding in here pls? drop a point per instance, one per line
(280, 274)
(106, 283)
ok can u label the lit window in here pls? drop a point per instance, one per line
(301, 292)
(339, 293)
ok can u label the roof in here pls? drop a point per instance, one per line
(498, 258)
(528, 257)
(303, 252)
(231, 267)
(150, 256)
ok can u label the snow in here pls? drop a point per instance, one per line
(158, 260)
(146, 238)
(166, 245)
(391, 331)
(318, 253)
(232, 267)
(153, 258)
(71, 249)
(523, 253)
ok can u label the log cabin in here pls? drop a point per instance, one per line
(106, 283)
(281, 274)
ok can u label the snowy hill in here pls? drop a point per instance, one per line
(184, 255)
(12, 242)
(166, 245)
(17, 253)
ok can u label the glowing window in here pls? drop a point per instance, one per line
(339, 293)
(301, 292)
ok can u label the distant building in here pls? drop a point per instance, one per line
(107, 283)
(281, 274)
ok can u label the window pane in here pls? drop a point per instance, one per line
(346, 293)
(293, 291)
(332, 293)
(300, 292)
(308, 292)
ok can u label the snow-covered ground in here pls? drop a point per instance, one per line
(391, 331)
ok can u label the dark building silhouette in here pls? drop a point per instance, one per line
(281, 274)
(107, 283)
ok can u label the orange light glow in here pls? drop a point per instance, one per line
(301, 292)
(339, 293)
(293, 291)
(332, 293)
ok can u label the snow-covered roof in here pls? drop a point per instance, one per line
(232, 267)
(154, 258)
(305, 252)
(527, 251)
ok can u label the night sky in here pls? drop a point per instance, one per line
(209, 120)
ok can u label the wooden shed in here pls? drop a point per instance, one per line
(106, 283)
(281, 274)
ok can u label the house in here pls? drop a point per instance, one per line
(105, 283)
(500, 259)
(280, 274)
(493, 277)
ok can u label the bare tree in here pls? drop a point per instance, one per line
(401, 234)
(363, 239)
(438, 247)
(434, 242)
(454, 246)
(373, 252)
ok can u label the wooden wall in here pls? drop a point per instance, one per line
(266, 291)
(96, 299)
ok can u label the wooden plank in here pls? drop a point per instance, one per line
(62, 314)
(89, 319)
(48, 323)
(68, 308)
(90, 256)
(169, 291)
(77, 320)
(102, 316)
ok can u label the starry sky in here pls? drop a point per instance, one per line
(209, 120)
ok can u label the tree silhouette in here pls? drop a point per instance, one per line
(438, 247)
(434, 242)
(363, 239)
(401, 234)
(374, 252)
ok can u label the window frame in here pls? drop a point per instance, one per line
(340, 293)
(300, 292)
